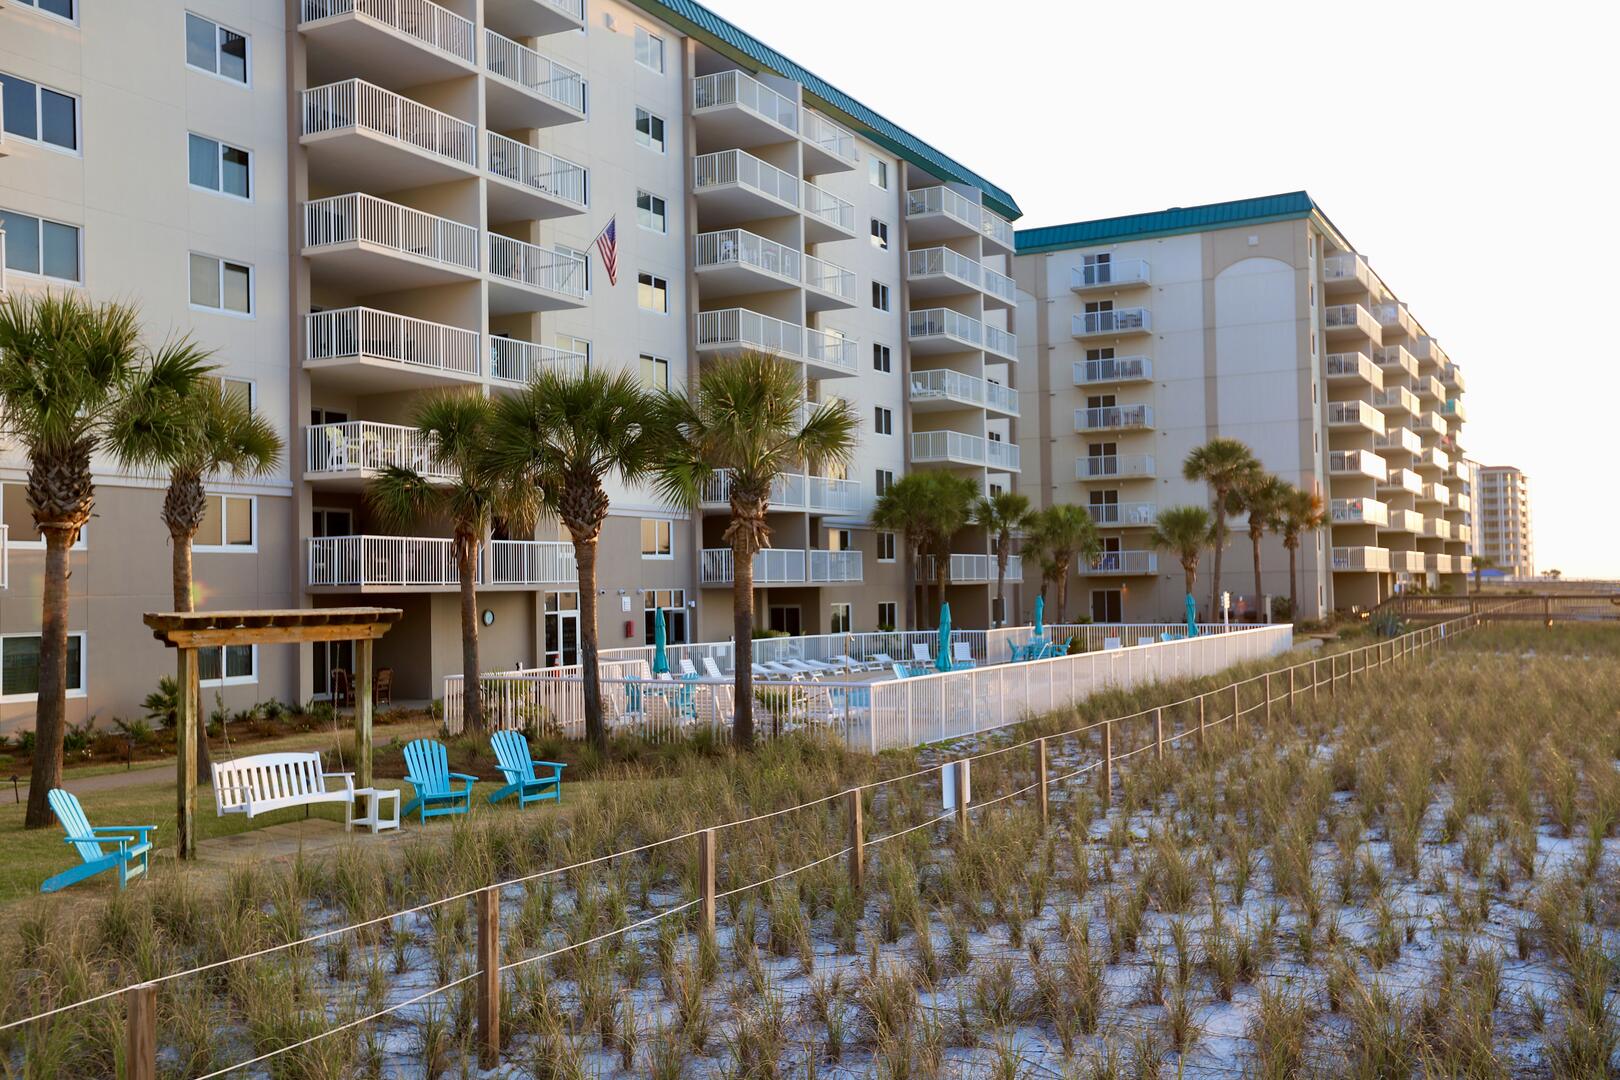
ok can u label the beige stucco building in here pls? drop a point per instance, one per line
(1506, 531)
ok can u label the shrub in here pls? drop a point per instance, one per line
(163, 704)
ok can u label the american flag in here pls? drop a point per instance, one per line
(607, 242)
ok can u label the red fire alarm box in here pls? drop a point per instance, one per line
(629, 628)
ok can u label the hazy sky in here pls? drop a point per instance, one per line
(1468, 150)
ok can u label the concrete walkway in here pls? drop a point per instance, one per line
(277, 843)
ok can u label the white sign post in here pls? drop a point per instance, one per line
(1226, 607)
(948, 784)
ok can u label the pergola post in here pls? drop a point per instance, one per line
(362, 713)
(187, 729)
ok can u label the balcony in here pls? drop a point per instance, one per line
(1460, 502)
(1353, 367)
(941, 330)
(828, 147)
(1396, 361)
(1463, 532)
(1350, 322)
(535, 18)
(527, 89)
(1429, 423)
(1360, 560)
(792, 491)
(1395, 319)
(1402, 480)
(1407, 562)
(370, 351)
(1436, 528)
(734, 186)
(382, 563)
(529, 184)
(1396, 400)
(347, 455)
(388, 246)
(1123, 515)
(1351, 415)
(957, 448)
(736, 329)
(360, 136)
(773, 566)
(732, 108)
(1347, 272)
(942, 271)
(827, 285)
(1433, 459)
(1454, 410)
(1405, 521)
(1434, 495)
(1114, 418)
(1428, 351)
(940, 213)
(733, 262)
(826, 216)
(531, 562)
(970, 569)
(413, 41)
(1427, 388)
(1356, 463)
(1117, 322)
(829, 354)
(835, 567)
(516, 363)
(1115, 467)
(1359, 512)
(526, 277)
(940, 389)
(1113, 370)
(1399, 440)
(1113, 274)
(1451, 377)
(1124, 564)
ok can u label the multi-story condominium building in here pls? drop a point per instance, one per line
(1506, 533)
(357, 202)
(1471, 470)
(1149, 334)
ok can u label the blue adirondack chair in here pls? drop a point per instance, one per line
(133, 848)
(427, 770)
(517, 764)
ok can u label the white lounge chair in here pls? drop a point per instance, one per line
(880, 660)
(782, 671)
(711, 669)
(687, 668)
(849, 663)
(962, 655)
(1111, 643)
(920, 654)
(1144, 641)
(761, 672)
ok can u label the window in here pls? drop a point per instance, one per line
(878, 172)
(886, 615)
(881, 358)
(230, 665)
(885, 481)
(883, 420)
(229, 524)
(654, 371)
(652, 293)
(880, 296)
(584, 260)
(62, 9)
(40, 114)
(20, 519)
(216, 50)
(657, 538)
(19, 666)
(243, 390)
(221, 285)
(37, 246)
(885, 547)
(838, 621)
(649, 130)
(672, 602)
(217, 166)
(572, 344)
(880, 234)
(840, 540)
(650, 213)
(649, 50)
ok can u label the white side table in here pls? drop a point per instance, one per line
(374, 819)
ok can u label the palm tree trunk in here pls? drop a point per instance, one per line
(50, 714)
(1254, 538)
(911, 586)
(1220, 545)
(1293, 582)
(742, 630)
(1191, 570)
(1001, 581)
(1062, 591)
(181, 580)
(471, 683)
(589, 662)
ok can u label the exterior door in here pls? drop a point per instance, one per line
(1107, 606)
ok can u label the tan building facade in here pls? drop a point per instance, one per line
(1506, 530)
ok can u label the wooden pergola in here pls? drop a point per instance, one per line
(189, 631)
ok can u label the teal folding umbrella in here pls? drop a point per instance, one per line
(1040, 613)
(660, 663)
(1192, 616)
(943, 660)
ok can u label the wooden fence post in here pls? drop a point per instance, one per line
(857, 842)
(489, 978)
(1237, 713)
(1268, 699)
(140, 1028)
(188, 728)
(961, 768)
(1040, 776)
(706, 868)
(1158, 733)
(1333, 676)
(1316, 679)
(363, 713)
(1201, 722)
(1291, 690)
(1108, 763)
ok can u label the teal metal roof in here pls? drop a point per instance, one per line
(1177, 219)
(700, 22)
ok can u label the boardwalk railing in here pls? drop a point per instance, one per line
(1543, 607)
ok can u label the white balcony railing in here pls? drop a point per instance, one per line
(741, 328)
(737, 88)
(1357, 463)
(943, 385)
(1114, 466)
(1405, 521)
(1125, 562)
(942, 200)
(426, 22)
(1403, 480)
(1395, 358)
(366, 219)
(1368, 559)
(1000, 454)
(830, 137)
(739, 247)
(1114, 321)
(539, 75)
(1353, 365)
(793, 491)
(773, 566)
(400, 561)
(1399, 438)
(1355, 414)
(532, 562)
(830, 349)
(824, 205)
(1113, 369)
(537, 170)
(1120, 514)
(1347, 266)
(1396, 399)
(1114, 417)
(738, 168)
(355, 104)
(1000, 342)
(829, 277)
(947, 262)
(941, 323)
(832, 567)
(359, 447)
(1351, 317)
(1117, 272)
(518, 362)
(361, 333)
(963, 449)
(536, 267)
(1359, 512)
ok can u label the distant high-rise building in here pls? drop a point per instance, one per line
(1507, 534)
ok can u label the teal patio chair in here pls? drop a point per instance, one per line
(427, 770)
(131, 856)
(517, 764)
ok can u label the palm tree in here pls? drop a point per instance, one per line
(1224, 464)
(747, 417)
(458, 424)
(999, 515)
(905, 507)
(1302, 512)
(1184, 531)
(1063, 534)
(1482, 563)
(950, 511)
(1261, 496)
(67, 367)
(563, 437)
